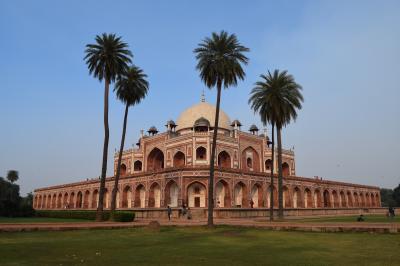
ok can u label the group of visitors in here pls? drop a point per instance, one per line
(391, 213)
(183, 212)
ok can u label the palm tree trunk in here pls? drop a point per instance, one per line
(210, 221)
(121, 148)
(99, 214)
(271, 207)
(280, 211)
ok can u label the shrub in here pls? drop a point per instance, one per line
(124, 216)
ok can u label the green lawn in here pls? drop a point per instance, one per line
(18, 220)
(372, 218)
(197, 246)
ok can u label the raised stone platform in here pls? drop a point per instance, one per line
(201, 213)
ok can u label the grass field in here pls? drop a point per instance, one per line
(18, 220)
(197, 246)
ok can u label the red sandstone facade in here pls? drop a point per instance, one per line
(171, 168)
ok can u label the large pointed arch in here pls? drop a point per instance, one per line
(196, 195)
(155, 195)
(222, 194)
(171, 194)
(155, 160)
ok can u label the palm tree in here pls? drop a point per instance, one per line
(277, 98)
(131, 88)
(12, 176)
(259, 101)
(106, 59)
(220, 60)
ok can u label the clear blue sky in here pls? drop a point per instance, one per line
(345, 54)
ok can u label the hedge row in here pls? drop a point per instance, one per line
(119, 216)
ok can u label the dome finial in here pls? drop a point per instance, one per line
(203, 97)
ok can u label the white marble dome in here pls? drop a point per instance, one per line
(203, 109)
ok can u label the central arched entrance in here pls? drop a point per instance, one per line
(196, 193)
(223, 198)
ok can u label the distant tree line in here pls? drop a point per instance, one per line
(390, 197)
(11, 203)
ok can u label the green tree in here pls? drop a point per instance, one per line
(131, 88)
(12, 176)
(9, 198)
(106, 59)
(396, 195)
(219, 61)
(278, 97)
(390, 197)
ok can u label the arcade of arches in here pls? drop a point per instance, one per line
(240, 194)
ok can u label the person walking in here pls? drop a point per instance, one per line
(169, 211)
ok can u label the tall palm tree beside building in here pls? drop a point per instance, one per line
(219, 61)
(131, 88)
(106, 59)
(277, 97)
(260, 102)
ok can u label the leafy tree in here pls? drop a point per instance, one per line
(390, 197)
(107, 59)
(12, 176)
(396, 195)
(278, 97)
(9, 198)
(131, 88)
(219, 61)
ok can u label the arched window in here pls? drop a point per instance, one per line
(123, 169)
(268, 165)
(250, 160)
(179, 159)
(224, 160)
(285, 169)
(137, 166)
(201, 153)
